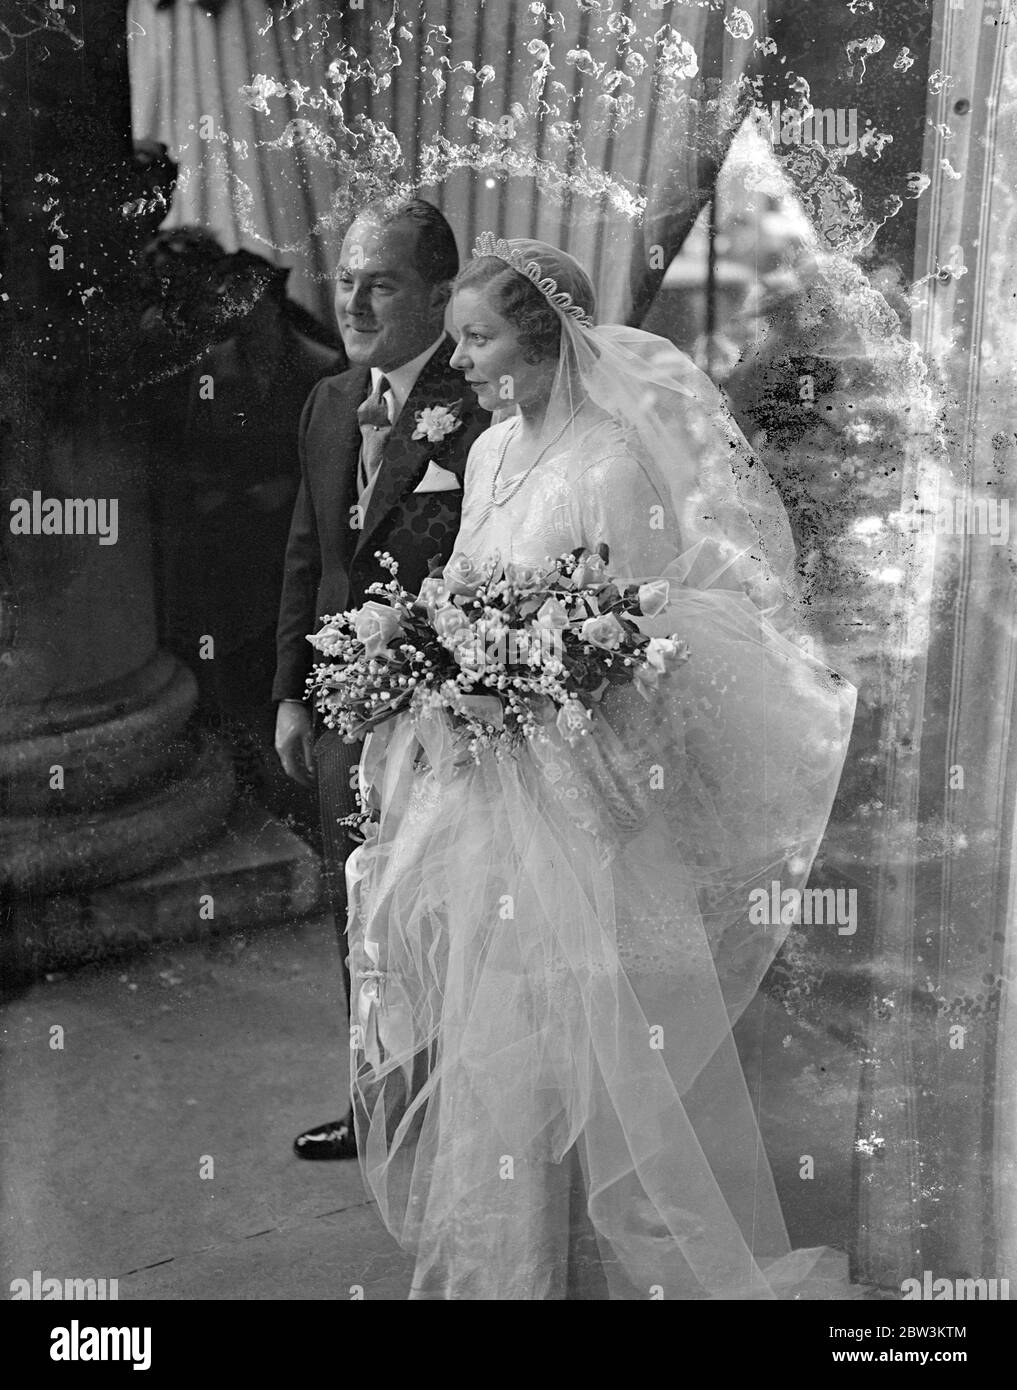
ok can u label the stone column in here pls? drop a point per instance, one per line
(102, 778)
(99, 777)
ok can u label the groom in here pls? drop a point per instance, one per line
(369, 484)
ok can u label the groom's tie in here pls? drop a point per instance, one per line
(375, 426)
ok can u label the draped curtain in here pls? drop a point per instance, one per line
(246, 104)
(187, 69)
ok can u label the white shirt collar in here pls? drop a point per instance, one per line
(401, 380)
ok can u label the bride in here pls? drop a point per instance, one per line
(549, 950)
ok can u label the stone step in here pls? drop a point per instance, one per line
(44, 855)
(255, 874)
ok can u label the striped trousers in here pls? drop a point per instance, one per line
(336, 764)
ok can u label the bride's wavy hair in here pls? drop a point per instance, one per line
(518, 299)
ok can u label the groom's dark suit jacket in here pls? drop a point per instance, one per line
(329, 556)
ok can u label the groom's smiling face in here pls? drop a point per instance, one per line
(387, 313)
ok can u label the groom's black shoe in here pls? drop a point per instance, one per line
(334, 1140)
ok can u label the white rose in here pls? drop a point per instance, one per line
(462, 576)
(328, 640)
(523, 576)
(605, 631)
(375, 625)
(433, 595)
(448, 621)
(654, 597)
(590, 573)
(662, 651)
(552, 613)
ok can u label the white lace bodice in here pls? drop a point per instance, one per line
(588, 490)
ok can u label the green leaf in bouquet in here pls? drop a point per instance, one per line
(584, 672)
(618, 673)
(381, 713)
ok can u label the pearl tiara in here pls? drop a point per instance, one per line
(489, 245)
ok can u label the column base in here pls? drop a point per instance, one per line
(255, 874)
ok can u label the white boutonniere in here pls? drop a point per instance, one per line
(435, 423)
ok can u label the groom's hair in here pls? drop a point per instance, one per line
(435, 254)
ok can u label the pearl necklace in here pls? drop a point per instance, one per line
(517, 480)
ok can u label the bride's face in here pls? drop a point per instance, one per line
(491, 357)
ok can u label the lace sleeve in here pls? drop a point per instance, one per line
(620, 506)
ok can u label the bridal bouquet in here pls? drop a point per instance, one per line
(504, 650)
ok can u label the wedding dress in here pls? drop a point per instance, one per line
(548, 1099)
(549, 950)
